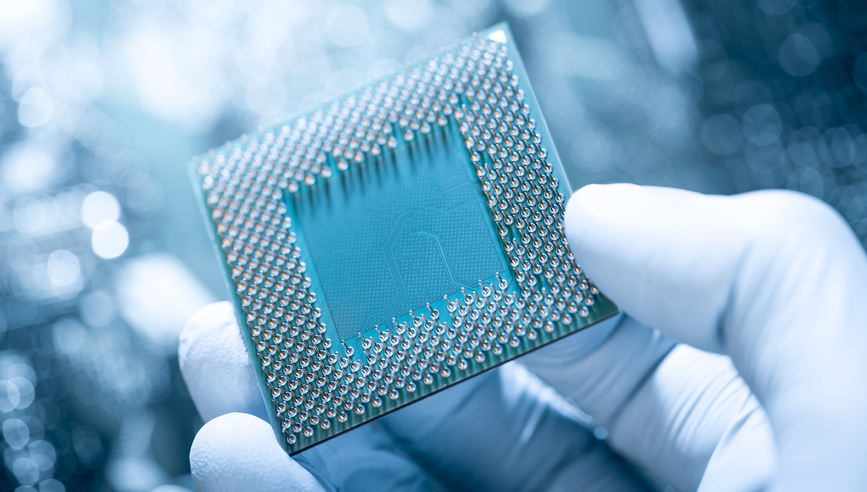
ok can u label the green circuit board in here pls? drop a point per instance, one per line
(396, 240)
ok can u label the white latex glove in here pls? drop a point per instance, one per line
(774, 280)
(742, 275)
(501, 431)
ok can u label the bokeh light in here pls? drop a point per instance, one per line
(35, 108)
(99, 207)
(63, 267)
(346, 25)
(109, 240)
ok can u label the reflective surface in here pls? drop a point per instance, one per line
(392, 237)
(102, 252)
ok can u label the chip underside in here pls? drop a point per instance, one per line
(396, 240)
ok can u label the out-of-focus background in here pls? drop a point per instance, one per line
(103, 255)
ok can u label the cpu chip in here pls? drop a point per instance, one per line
(396, 240)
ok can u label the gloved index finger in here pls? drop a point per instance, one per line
(774, 279)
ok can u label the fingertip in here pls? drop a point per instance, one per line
(239, 452)
(584, 212)
(585, 203)
(612, 204)
(215, 314)
(216, 366)
(598, 221)
(647, 249)
(602, 193)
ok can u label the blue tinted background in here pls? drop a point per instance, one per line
(114, 96)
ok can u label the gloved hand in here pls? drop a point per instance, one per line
(774, 279)
(501, 431)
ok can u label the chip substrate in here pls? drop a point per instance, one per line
(396, 240)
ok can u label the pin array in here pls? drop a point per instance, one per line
(317, 387)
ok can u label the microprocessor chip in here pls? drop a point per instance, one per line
(396, 240)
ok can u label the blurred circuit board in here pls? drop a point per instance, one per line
(396, 240)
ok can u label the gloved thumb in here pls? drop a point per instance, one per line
(774, 279)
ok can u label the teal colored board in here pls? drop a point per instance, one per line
(397, 240)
